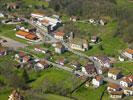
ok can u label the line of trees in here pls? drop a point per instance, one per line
(86, 8)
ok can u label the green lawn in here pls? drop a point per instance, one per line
(7, 31)
(36, 2)
(54, 75)
(127, 67)
(4, 93)
(90, 93)
(111, 45)
(56, 97)
(4, 62)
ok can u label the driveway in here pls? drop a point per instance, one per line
(12, 43)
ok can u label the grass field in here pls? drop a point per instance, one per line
(4, 93)
(93, 94)
(54, 75)
(111, 45)
(127, 67)
(7, 31)
(36, 2)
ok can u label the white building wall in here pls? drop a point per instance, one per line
(130, 56)
(110, 75)
(77, 47)
(40, 66)
(84, 70)
(123, 84)
(128, 92)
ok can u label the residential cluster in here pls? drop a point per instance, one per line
(100, 67)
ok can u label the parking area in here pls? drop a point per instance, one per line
(7, 42)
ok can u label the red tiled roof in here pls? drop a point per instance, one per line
(27, 35)
(22, 33)
(42, 62)
(116, 93)
(31, 36)
(59, 33)
(45, 21)
(128, 79)
(26, 58)
(21, 54)
(2, 49)
(114, 86)
(130, 51)
(98, 78)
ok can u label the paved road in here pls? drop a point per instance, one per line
(111, 80)
(12, 43)
(60, 66)
(77, 72)
(69, 69)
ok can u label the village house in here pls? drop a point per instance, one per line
(102, 70)
(59, 48)
(45, 23)
(97, 81)
(41, 65)
(15, 95)
(12, 21)
(89, 69)
(128, 53)
(91, 21)
(42, 50)
(12, 6)
(21, 57)
(103, 61)
(79, 44)
(27, 35)
(2, 15)
(50, 23)
(121, 58)
(59, 35)
(116, 94)
(76, 65)
(37, 15)
(103, 22)
(3, 51)
(61, 61)
(114, 73)
(127, 81)
(113, 87)
(56, 16)
(128, 91)
(74, 18)
(94, 39)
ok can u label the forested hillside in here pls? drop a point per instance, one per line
(98, 8)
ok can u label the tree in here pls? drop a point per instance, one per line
(16, 81)
(25, 76)
(101, 47)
